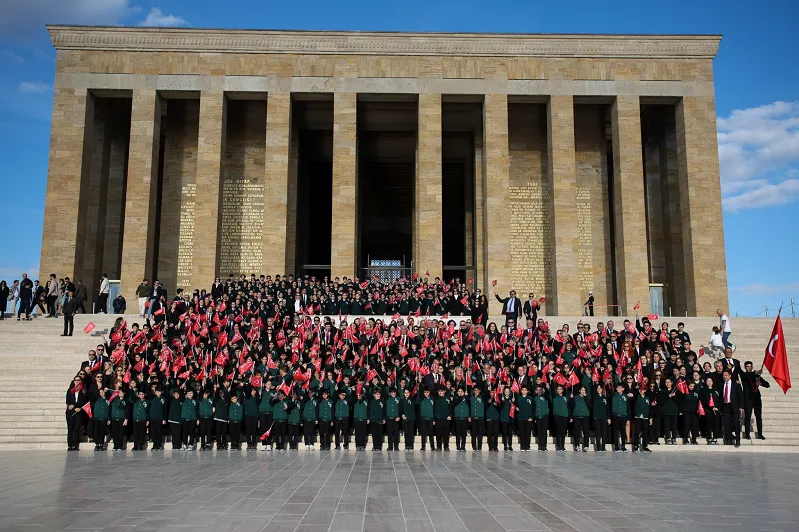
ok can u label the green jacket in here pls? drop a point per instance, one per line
(492, 412)
(408, 409)
(582, 406)
(157, 407)
(309, 410)
(560, 406)
(206, 408)
(392, 407)
(236, 412)
(504, 410)
(525, 406)
(377, 411)
(426, 408)
(140, 410)
(442, 408)
(294, 417)
(461, 410)
(619, 405)
(101, 410)
(541, 407)
(477, 407)
(690, 402)
(119, 409)
(175, 407)
(600, 407)
(280, 411)
(251, 406)
(265, 407)
(342, 410)
(360, 411)
(189, 410)
(221, 410)
(641, 408)
(326, 410)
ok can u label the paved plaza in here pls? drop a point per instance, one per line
(381, 492)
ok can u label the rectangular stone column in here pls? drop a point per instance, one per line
(563, 175)
(700, 199)
(210, 145)
(343, 245)
(632, 264)
(278, 134)
(428, 246)
(138, 237)
(481, 279)
(67, 175)
(497, 204)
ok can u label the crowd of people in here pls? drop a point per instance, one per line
(271, 362)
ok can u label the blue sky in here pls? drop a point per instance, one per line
(756, 95)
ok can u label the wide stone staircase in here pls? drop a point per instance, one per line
(37, 364)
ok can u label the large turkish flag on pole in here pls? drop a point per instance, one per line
(776, 360)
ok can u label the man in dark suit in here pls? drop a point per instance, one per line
(731, 408)
(751, 381)
(732, 364)
(76, 398)
(25, 297)
(511, 306)
(69, 309)
(531, 307)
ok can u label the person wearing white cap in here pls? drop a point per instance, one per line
(589, 305)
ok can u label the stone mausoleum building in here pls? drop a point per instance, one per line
(556, 164)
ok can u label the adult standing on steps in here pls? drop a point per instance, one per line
(25, 297)
(102, 297)
(751, 381)
(76, 398)
(731, 409)
(511, 306)
(724, 328)
(52, 296)
(69, 309)
(5, 295)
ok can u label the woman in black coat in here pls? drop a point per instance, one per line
(4, 293)
(75, 399)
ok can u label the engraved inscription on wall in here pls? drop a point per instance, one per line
(241, 248)
(531, 238)
(585, 249)
(186, 235)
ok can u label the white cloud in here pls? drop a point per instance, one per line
(759, 156)
(157, 18)
(23, 17)
(758, 289)
(11, 273)
(34, 87)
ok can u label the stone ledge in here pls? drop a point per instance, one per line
(374, 43)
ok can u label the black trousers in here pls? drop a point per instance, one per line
(690, 424)
(376, 430)
(235, 434)
(24, 306)
(177, 438)
(426, 428)
(600, 434)
(118, 433)
(580, 432)
(294, 435)
(753, 406)
(731, 421)
(206, 429)
(392, 433)
(711, 424)
(187, 430)
(507, 435)
(478, 429)
(157, 433)
(641, 433)
(670, 426)
(492, 434)
(361, 432)
(52, 306)
(409, 429)
(442, 433)
(221, 433)
(279, 434)
(99, 431)
(309, 432)
(68, 325)
(561, 423)
(264, 424)
(655, 428)
(341, 427)
(251, 428)
(101, 305)
(73, 428)
(139, 434)
(618, 430)
(325, 433)
(523, 433)
(541, 426)
(460, 433)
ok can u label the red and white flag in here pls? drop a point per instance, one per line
(776, 361)
(87, 408)
(89, 327)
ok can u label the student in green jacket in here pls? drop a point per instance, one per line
(206, 420)
(235, 416)
(442, 412)
(100, 411)
(407, 412)
(188, 420)
(618, 412)
(377, 420)
(158, 407)
(325, 420)
(175, 408)
(581, 412)
(341, 423)
(427, 419)
(280, 419)
(360, 414)
(140, 422)
(599, 411)
(294, 422)
(221, 421)
(560, 413)
(477, 418)
(119, 412)
(392, 419)
(524, 418)
(460, 416)
(641, 417)
(541, 403)
(251, 419)
(310, 409)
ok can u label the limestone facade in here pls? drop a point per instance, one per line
(567, 197)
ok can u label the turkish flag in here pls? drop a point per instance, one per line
(159, 312)
(515, 387)
(88, 409)
(637, 305)
(776, 361)
(494, 282)
(653, 317)
(89, 327)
